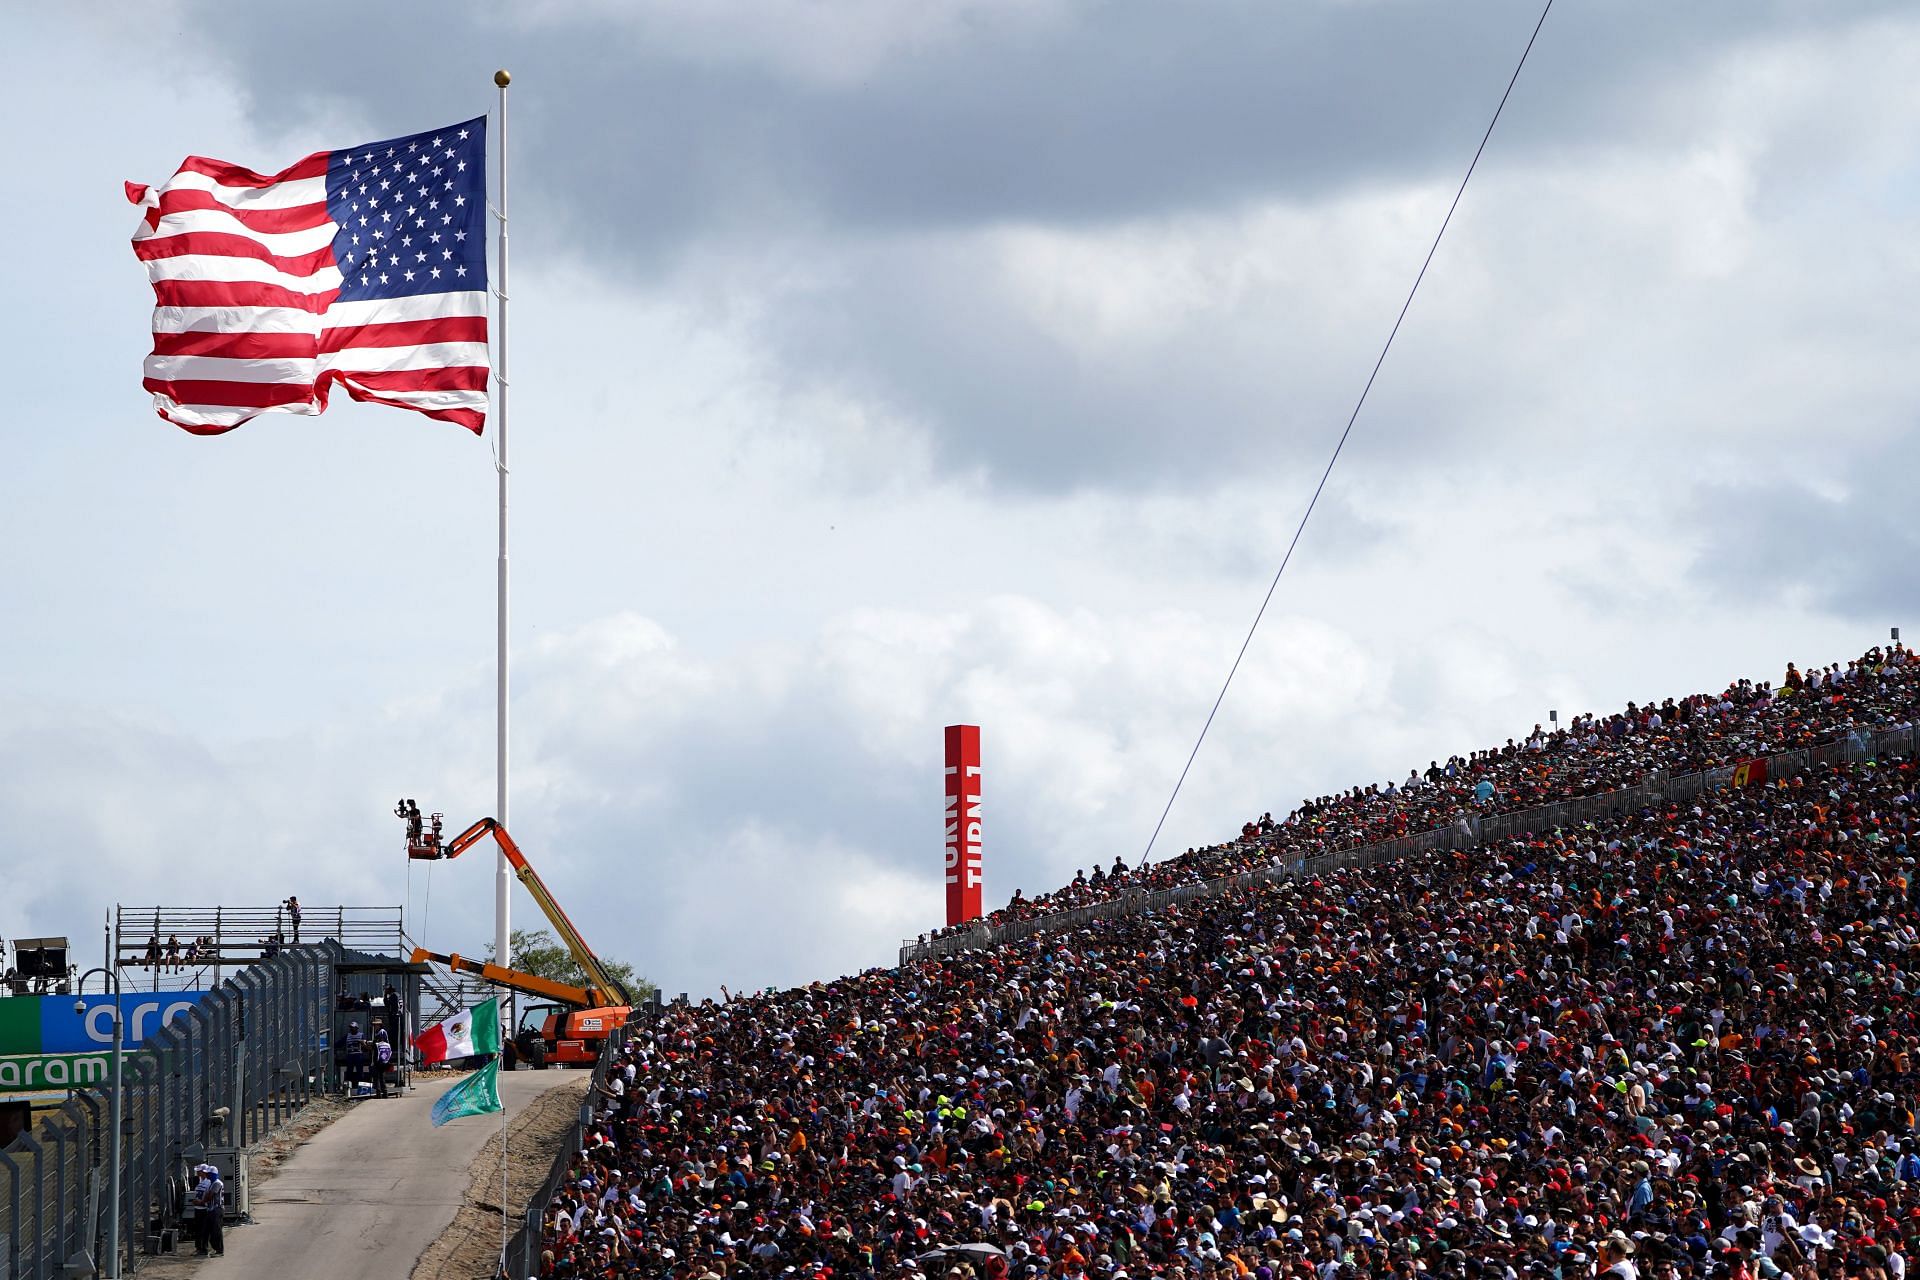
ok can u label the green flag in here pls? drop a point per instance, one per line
(477, 1095)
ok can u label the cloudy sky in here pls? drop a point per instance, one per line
(882, 366)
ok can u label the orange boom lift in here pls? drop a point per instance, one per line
(569, 1023)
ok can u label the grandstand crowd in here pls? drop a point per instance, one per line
(1676, 1043)
(1590, 755)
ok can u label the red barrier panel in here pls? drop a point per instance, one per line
(963, 823)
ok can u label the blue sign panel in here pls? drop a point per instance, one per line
(64, 1031)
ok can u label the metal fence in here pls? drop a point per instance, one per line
(258, 1046)
(1471, 832)
(521, 1257)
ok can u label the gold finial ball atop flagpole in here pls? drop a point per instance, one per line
(502, 78)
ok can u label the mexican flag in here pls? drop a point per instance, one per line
(464, 1035)
(477, 1095)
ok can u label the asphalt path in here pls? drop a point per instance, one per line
(367, 1194)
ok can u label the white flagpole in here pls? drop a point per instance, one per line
(506, 1231)
(503, 879)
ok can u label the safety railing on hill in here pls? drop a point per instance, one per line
(521, 1257)
(222, 1075)
(1467, 833)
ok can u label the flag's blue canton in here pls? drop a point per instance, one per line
(412, 213)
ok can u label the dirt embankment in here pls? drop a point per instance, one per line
(469, 1249)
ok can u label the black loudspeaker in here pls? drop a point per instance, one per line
(40, 957)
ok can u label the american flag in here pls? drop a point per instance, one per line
(366, 268)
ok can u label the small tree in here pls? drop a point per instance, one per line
(539, 953)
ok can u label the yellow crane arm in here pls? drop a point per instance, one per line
(598, 977)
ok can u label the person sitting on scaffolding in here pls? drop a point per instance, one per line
(173, 952)
(153, 953)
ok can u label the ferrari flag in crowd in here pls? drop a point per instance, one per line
(477, 1095)
(366, 268)
(466, 1034)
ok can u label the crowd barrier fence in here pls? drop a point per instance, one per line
(258, 1045)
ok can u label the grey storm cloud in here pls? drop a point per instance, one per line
(1115, 111)
(849, 209)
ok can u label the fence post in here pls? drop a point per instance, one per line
(300, 1059)
(194, 1083)
(249, 1009)
(26, 1142)
(219, 1075)
(84, 1195)
(11, 1240)
(142, 1078)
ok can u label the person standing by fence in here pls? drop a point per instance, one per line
(390, 1002)
(353, 1057)
(209, 1211)
(379, 1058)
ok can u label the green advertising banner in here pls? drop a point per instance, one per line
(20, 1024)
(48, 1072)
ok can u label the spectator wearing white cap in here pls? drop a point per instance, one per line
(209, 1200)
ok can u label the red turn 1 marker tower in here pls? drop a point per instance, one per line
(963, 823)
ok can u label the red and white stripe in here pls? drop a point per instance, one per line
(247, 318)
